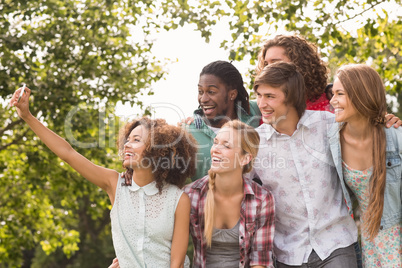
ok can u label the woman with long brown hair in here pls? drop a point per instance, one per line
(368, 157)
(232, 218)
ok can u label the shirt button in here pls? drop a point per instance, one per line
(381, 227)
(241, 237)
(389, 164)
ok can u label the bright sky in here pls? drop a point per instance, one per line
(175, 97)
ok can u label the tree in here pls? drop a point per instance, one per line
(356, 31)
(80, 57)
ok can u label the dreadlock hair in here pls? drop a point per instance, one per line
(307, 59)
(249, 141)
(165, 144)
(232, 78)
(366, 92)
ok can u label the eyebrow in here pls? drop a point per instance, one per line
(222, 141)
(208, 86)
(266, 94)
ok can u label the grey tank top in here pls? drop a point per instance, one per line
(224, 251)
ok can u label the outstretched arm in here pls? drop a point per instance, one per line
(102, 177)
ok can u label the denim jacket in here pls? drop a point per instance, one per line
(392, 212)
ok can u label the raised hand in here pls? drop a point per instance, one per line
(21, 103)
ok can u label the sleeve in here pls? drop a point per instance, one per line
(261, 249)
(399, 139)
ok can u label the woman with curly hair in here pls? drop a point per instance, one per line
(296, 49)
(369, 159)
(232, 217)
(150, 213)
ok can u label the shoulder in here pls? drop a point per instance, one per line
(260, 192)
(197, 186)
(172, 188)
(394, 136)
(318, 116)
(396, 132)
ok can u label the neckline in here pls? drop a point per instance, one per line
(234, 227)
(356, 170)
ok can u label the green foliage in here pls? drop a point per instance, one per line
(346, 31)
(80, 57)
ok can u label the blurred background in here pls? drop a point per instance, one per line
(93, 65)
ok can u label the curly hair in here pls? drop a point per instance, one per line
(167, 149)
(231, 77)
(307, 59)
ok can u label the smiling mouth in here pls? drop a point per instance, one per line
(216, 160)
(266, 113)
(208, 109)
(338, 110)
(128, 155)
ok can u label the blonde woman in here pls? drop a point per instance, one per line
(368, 157)
(232, 218)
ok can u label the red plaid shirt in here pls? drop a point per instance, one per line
(256, 230)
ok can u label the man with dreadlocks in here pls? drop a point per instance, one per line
(222, 97)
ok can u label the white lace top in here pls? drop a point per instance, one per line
(142, 224)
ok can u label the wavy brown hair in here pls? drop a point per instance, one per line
(307, 59)
(366, 92)
(169, 151)
(249, 142)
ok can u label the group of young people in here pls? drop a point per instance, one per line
(273, 180)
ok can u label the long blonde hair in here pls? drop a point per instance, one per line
(249, 142)
(366, 92)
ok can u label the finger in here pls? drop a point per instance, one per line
(15, 97)
(25, 95)
(398, 124)
(392, 121)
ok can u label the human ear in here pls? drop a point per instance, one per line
(246, 159)
(233, 94)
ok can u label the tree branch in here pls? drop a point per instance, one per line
(10, 126)
(15, 141)
(361, 13)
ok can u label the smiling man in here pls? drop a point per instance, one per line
(222, 97)
(312, 227)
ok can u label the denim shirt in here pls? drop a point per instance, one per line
(392, 212)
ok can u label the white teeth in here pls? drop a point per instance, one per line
(337, 110)
(208, 107)
(129, 154)
(216, 159)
